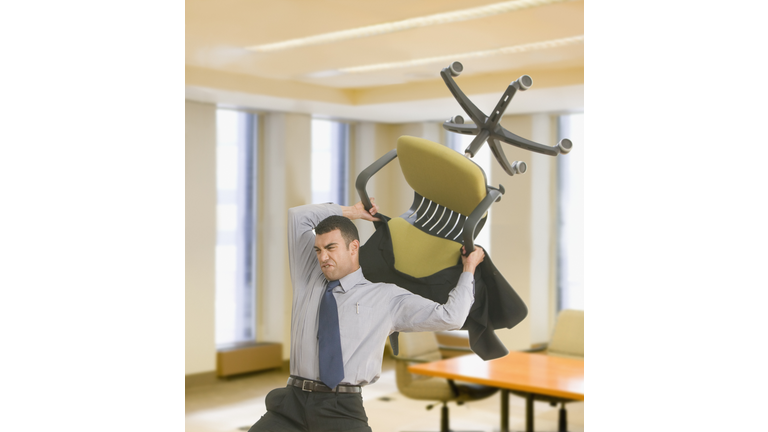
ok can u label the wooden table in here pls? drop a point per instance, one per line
(526, 372)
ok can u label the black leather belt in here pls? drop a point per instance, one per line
(310, 386)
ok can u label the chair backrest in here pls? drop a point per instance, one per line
(447, 189)
(419, 346)
(568, 336)
(441, 175)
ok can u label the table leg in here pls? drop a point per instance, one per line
(504, 410)
(562, 419)
(529, 412)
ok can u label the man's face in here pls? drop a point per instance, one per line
(335, 258)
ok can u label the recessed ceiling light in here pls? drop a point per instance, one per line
(391, 27)
(449, 58)
(324, 74)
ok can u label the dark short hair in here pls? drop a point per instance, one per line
(341, 223)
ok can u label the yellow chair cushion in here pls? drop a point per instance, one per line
(419, 254)
(441, 174)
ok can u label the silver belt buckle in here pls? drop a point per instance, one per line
(304, 385)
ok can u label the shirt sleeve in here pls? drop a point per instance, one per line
(414, 313)
(301, 241)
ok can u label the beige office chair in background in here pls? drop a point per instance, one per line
(567, 341)
(423, 348)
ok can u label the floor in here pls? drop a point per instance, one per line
(233, 405)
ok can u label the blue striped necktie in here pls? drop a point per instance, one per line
(331, 362)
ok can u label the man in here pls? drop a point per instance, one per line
(340, 321)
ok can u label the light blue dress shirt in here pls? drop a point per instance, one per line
(368, 312)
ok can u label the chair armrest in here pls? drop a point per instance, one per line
(468, 233)
(366, 174)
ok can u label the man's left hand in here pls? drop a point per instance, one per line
(472, 260)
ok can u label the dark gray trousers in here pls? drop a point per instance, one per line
(292, 409)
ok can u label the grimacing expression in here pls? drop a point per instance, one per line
(335, 258)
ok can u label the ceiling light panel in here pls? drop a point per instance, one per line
(411, 23)
(463, 56)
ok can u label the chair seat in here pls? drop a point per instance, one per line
(428, 389)
(419, 254)
(468, 391)
(438, 389)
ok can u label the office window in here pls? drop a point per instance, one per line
(483, 158)
(330, 162)
(570, 283)
(235, 222)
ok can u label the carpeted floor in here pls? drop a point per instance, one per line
(233, 405)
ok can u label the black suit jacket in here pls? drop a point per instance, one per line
(496, 305)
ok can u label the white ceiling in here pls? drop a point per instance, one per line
(307, 79)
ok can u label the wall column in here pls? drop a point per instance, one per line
(200, 237)
(286, 181)
(543, 228)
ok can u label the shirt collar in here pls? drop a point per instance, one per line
(350, 280)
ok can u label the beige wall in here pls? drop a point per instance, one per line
(200, 237)
(522, 226)
(523, 229)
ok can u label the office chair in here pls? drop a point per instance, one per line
(420, 250)
(423, 348)
(451, 200)
(567, 341)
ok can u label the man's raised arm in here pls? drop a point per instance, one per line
(413, 312)
(301, 240)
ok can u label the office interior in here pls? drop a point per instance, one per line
(377, 84)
